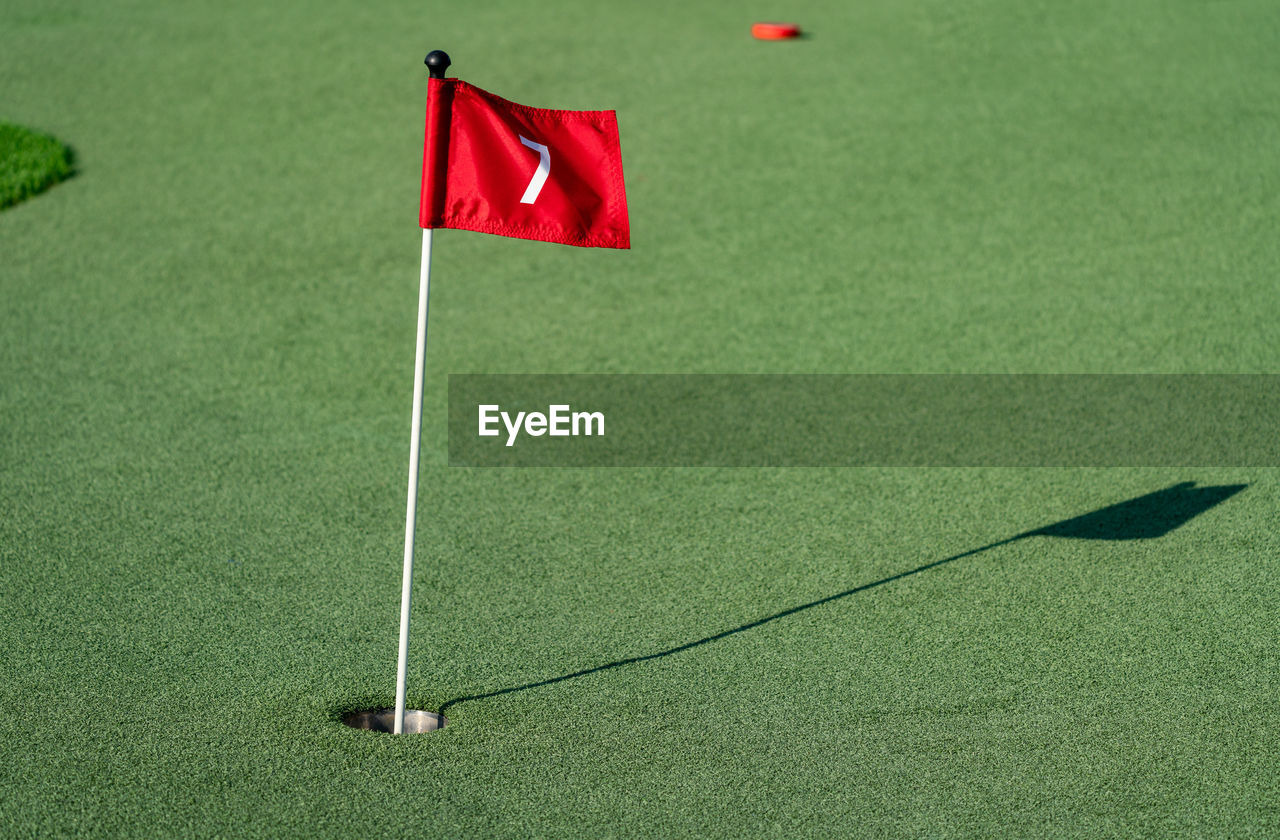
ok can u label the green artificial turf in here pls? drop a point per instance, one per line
(29, 163)
(205, 374)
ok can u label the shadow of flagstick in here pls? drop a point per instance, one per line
(726, 633)
(1145, 517)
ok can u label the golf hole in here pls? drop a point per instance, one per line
(416, 721)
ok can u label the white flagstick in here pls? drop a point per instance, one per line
(437, 62)
(410, 516)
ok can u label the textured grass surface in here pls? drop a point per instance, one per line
(29, 163)
(206, 345)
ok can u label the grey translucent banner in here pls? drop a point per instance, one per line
(809, 420)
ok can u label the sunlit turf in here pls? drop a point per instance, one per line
(206, 349)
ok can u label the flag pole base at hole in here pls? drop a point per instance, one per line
(416, 721)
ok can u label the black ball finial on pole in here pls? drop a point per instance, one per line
(437, 62)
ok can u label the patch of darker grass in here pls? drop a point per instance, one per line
(30, 162)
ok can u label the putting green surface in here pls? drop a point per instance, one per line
(205, 371)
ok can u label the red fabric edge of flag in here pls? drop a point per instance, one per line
(544, 234)
(435, 152)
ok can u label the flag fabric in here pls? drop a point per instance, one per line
(494, 166)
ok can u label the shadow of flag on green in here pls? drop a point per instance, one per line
(1143, 518)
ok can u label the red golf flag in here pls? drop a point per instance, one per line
(493, 166)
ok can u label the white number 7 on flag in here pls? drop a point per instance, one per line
(540, 175)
